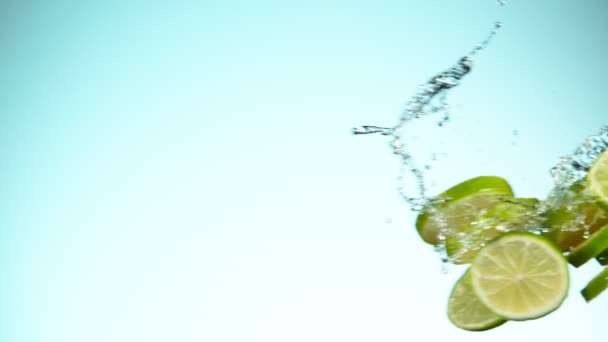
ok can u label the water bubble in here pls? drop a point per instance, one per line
(586, 233)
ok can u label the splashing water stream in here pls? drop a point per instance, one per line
(431, 99)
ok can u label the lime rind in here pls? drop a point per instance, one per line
(520, 276)
(590, 248)
(596, 286)
(602, 258)
(459, 204)
(572, 215)
(466, 311)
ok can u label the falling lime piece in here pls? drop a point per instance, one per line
(597, 179)
(590, 248)
(596, 285)
(461, 203)
(520, 276)
(516, 214)
(572, 215)
(466, 311)
(603, 258)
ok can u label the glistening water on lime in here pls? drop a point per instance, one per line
(517, 249)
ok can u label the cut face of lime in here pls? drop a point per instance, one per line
(596, 286)
(516, 214)
(574, 214)
(466, 311)
(590, 248)
(597, 179)
(458, 205)
(520, 276)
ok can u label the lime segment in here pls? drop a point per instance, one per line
(516, 214)
(520, 276)
(458, 205)
(603, 258)
(596, 285)
(574, 213)
(597, 179)
(466, 311)
(590, 248)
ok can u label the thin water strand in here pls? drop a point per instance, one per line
(483, 44)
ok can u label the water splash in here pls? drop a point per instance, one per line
(430, 99)
(573, 168)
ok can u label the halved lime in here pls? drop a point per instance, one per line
(458, 205)
(597, 179)
(573, 213)
(516, 214)
(590, 248)
(466, 311)
(520, 276)
(596, 285)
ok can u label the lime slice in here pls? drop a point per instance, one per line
(596, 285)
(520, 276)
(517, 214)
(458, 205)
(573, 213)
(597, 179)
(590, 248)
(466, 311)
(603, 258)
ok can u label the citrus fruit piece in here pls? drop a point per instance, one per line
(596, 285)
(459, 204)
(602, 258)
(520, 276)
(573, 213)
(590, 248)
(597, 179)
(466, 311)
(516, 214)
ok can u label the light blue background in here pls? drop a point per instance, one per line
(184, 171)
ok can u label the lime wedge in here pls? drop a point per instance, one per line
(520, 276)
(458, 205)
(573, 214)
(590, 248)
(597, 179)
(517, 214)
(596, 285)
(603, 258)
(466, 311)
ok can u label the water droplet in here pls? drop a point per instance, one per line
(586, 233)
